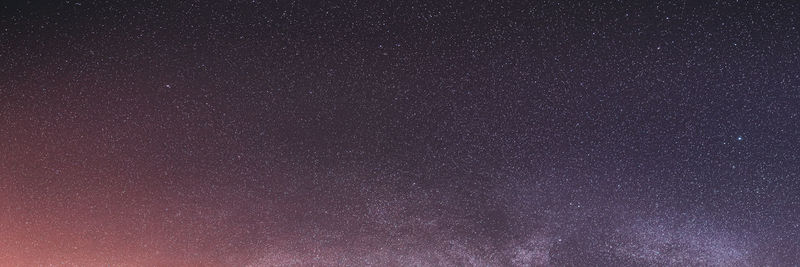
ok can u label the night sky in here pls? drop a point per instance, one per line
(403, 133)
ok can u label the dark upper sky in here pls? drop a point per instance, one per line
(402, 133)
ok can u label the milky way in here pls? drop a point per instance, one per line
(399, 133)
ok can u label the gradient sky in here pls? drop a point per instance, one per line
(402, 133)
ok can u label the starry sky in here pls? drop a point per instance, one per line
(399, 133)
